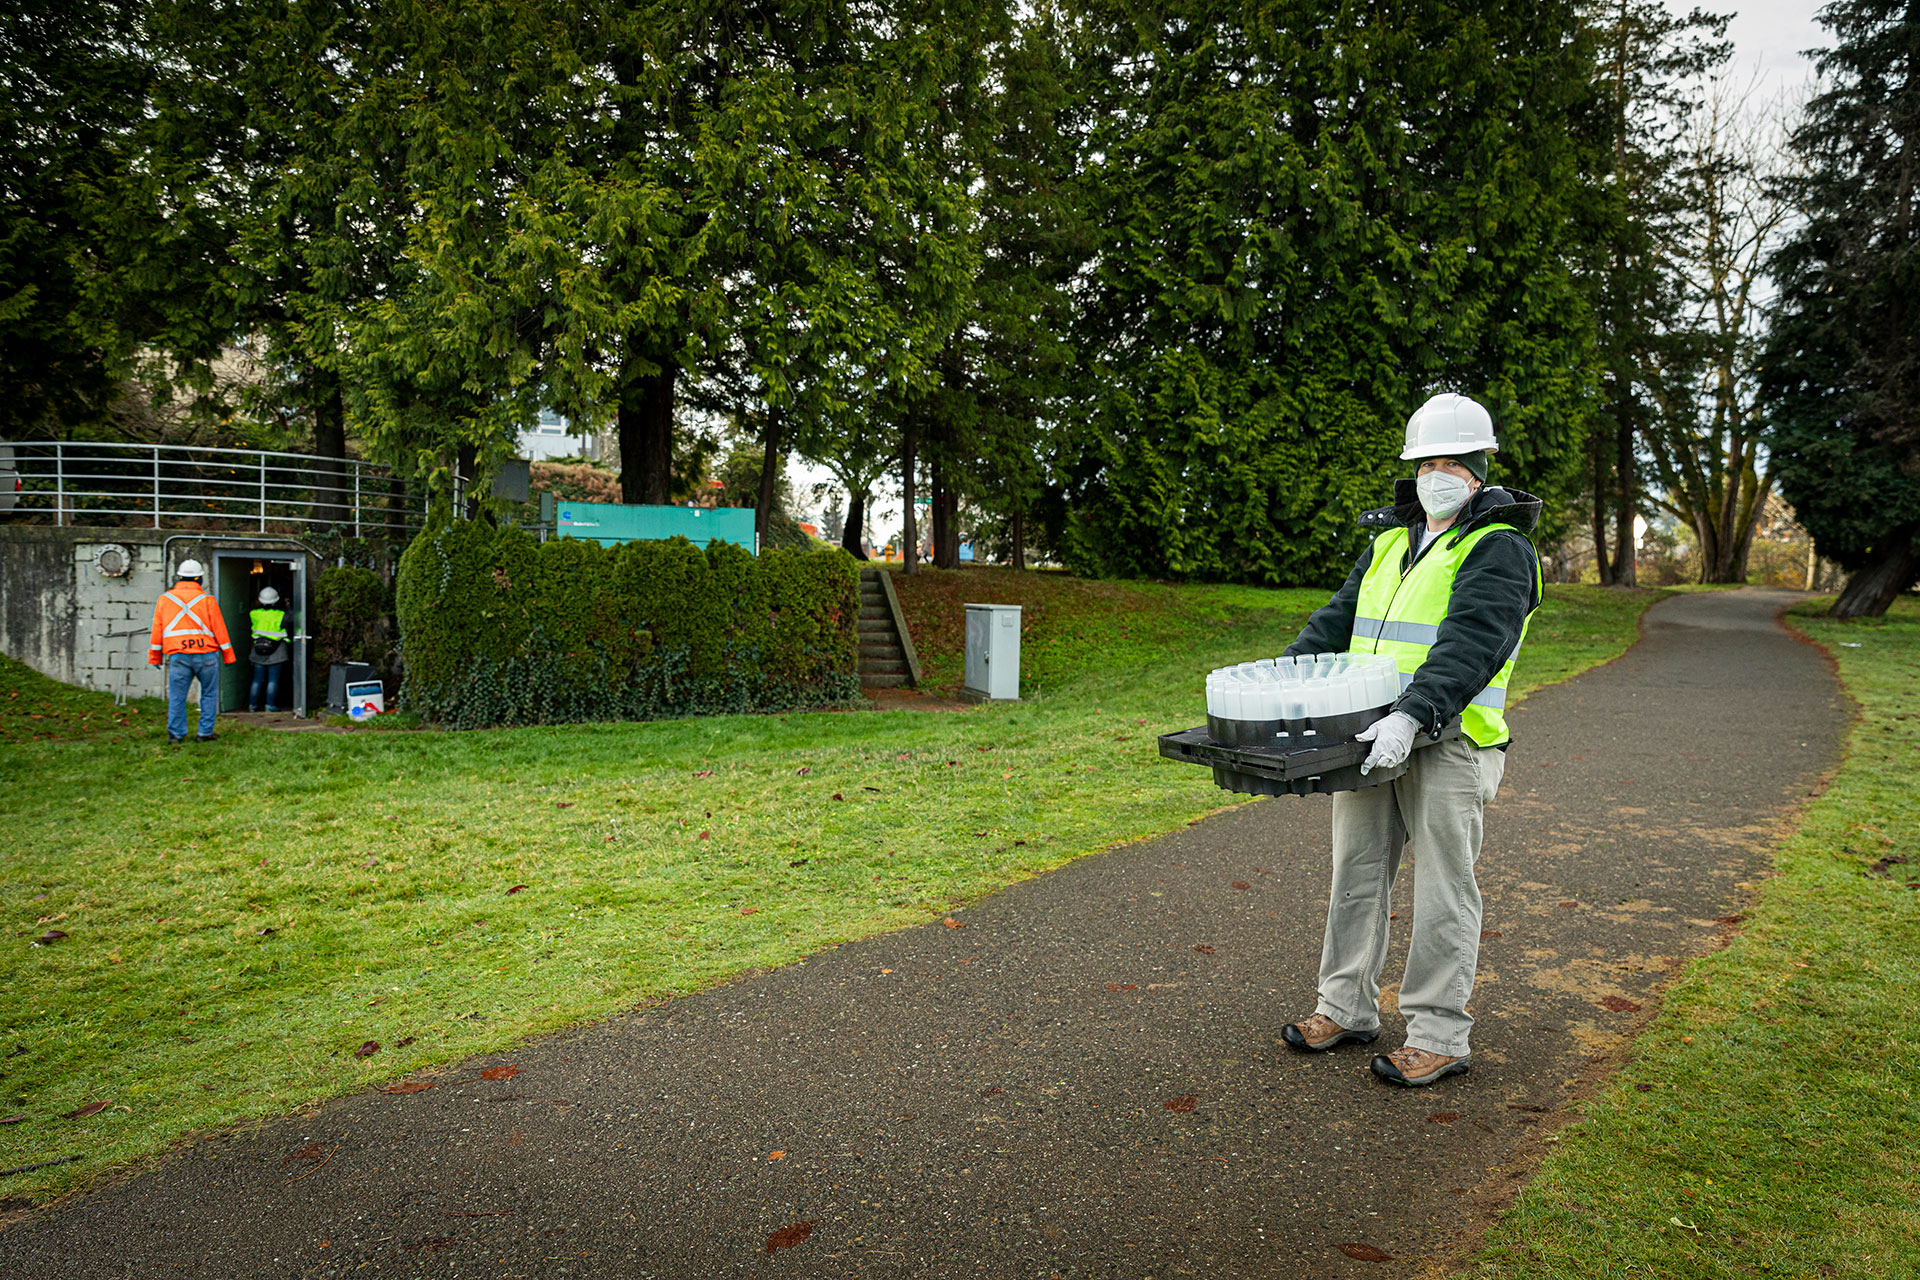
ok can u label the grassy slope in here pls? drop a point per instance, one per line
(243, 916)
(1766, 1125)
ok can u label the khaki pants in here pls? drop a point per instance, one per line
(1436, 808)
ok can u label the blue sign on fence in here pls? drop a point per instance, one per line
(611, 523)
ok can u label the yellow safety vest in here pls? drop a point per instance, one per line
(1402, 617)
(271, 623)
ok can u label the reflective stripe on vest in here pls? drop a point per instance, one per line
(186, 621)
(1401, 616)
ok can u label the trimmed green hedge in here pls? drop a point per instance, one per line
(498, 629)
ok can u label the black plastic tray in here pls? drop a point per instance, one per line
(1290, 765)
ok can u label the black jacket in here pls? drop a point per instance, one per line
(1495, 590)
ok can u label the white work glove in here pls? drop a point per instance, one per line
(1392, 739)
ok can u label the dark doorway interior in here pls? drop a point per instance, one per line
(241, 579)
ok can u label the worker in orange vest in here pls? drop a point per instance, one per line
(190, 636)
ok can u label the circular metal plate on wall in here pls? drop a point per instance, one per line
(113, 561)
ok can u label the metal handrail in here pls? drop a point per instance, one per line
(168, 485)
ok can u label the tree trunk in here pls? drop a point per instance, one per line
(769, 473)
(1017, 532)
(1623, 549)
(1600, 561)
(909, 531)
(645, 425)
(945, 512)
(333, 496)
(852, 535)
(1893, 567)
(464, 458)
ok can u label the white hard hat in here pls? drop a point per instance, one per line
(191, 569)
(1447, 426)
(269, 596)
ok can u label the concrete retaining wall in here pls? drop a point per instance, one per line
(60, 615)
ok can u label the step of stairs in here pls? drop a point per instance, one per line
(886, 655)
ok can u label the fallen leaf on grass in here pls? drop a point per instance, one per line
(367, 1050)
(951, 923)
(1019, 842)
(804, 770)
(703, 773)
(1203, 948)
(92, 1108)
(838, 796)
(50, 937)
(1644, 1088)
(1568, 906)
(401, 1044)
(1488, 934)
(749, 911)
(516, 889)
(1443, 1117)
(776, 1155)
(801, 863)
(563, 804)
(411, 1086)
(704, 835)
(261, 933)
(1241, 884)
(1182, 1105)
(867, 788)
(1618, 1004)
(499, 1073)
(789, 1236)
(12, 1119)
(1364, 1252)
(985, 1093)
(311, 1153)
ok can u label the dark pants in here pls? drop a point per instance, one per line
(268, 678)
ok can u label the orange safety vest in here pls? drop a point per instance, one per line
(187, 620)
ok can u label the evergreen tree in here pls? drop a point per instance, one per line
(1310, 220)
(1843, 368)
(1649, 68)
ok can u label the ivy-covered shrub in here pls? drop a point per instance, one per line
(498, 629)
(352, 617)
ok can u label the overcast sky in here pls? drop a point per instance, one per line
(1771, 37)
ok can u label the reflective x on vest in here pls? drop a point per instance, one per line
(187, 626)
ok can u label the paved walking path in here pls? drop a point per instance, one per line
(993, 1101)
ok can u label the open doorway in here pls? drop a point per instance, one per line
(239, 578)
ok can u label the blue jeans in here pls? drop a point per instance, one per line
(269, 677)
(182, 670)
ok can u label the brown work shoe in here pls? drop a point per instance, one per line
(1320, 1033)
(1414, 1067)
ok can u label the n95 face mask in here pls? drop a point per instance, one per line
(1441, 494)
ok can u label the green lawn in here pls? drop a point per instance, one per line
(1766, 1125)
(242, 917)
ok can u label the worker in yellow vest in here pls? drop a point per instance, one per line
(269, 654)
(1446, 587)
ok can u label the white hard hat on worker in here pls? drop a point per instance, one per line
(1447, 426)
(191, 569)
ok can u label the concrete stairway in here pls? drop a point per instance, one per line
(887, 659)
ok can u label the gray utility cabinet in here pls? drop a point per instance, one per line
(993, 650)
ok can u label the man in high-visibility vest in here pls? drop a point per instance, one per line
(1446, 588)
(190, 636)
